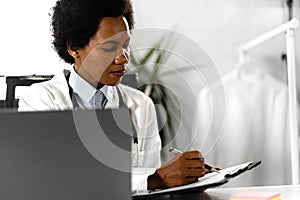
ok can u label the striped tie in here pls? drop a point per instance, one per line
(100, 100)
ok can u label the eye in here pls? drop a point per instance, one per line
(110, 49)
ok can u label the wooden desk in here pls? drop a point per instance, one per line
(287, 192)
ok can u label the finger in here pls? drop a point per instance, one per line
(192, 155)
(190, 180)
(193, 164)
(194, 172)
(207, 170)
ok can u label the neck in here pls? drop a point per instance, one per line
(99, 85)
(86, 76)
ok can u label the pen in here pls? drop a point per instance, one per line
(210, 168)
(135, 142)
(136, 147)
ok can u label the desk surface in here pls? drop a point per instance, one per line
(288, 192)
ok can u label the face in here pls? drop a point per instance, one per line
(105, 58)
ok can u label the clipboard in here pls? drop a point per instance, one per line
(211, 179)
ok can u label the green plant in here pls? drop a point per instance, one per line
(148, 64)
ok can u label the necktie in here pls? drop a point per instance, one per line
(100, 100)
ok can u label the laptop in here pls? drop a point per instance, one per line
(80, 154)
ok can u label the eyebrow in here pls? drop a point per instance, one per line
(114, 42)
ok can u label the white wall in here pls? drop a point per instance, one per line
(26, 39)
(218, 26)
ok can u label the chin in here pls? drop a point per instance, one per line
(112, 82)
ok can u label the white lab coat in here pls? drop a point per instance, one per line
(54, 95)
(251, 123)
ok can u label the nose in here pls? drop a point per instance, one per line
(123, 58)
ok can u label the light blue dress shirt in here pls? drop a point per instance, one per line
(84, 92)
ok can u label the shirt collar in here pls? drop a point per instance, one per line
(85, 90)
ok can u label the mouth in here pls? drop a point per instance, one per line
(118, 73)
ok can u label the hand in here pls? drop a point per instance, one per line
(185, 168)
(209, 169)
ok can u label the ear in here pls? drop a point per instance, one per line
(73, 52)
